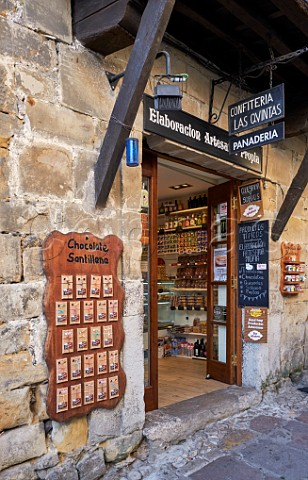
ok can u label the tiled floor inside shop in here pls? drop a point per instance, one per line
(183, 378)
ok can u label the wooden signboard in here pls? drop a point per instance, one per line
(255, 325)
(250, 201)
(83, 305)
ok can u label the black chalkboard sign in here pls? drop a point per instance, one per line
(253, 288)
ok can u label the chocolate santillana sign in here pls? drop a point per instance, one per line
(83, 306)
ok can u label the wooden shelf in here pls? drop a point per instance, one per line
(178, 289)
(179, 212)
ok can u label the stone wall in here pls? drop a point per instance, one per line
(55, 103)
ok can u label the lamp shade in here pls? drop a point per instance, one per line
(167, 97)
(132, 152)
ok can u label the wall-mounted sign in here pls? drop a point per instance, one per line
(193, 132)
(255, 325)
(250, 201)
(258, 138)
(253, 284)
(83, 304)
(264, 107)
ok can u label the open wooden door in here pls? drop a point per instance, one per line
(149, 276)
(224, 336)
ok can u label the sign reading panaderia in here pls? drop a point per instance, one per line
(258, 138)
(193, 132)
(265, 107)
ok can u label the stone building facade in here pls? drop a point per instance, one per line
(55, 103)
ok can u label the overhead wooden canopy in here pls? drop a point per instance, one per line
(227, 36)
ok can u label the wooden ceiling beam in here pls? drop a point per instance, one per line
(294, 13)
(264, 31)
(152, 27)
(210, 26)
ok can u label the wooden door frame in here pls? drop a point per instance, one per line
(229, 372)
(149, 169)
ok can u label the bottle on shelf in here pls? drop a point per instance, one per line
(201, 348)
(161, 210)
(176, 207)
(187, 222)
(180, 205)
(192, 221)
(196, 348)
(204, 201)
(189, 202)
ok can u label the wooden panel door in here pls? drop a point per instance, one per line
(222, 318)
(149, 275)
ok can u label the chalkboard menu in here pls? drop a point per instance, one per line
(250, 200)
(253, 285)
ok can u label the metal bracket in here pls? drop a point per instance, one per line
(214, 116)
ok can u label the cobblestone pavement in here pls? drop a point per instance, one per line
(266, 442)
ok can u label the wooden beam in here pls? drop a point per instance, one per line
(263, 30)
(294, 12)
(295, 191)
(152, 27)
(210, 26)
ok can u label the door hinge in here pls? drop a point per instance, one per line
(234, 282)
(234, 203)
(234, 360)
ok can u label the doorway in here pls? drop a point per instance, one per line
(187, 266)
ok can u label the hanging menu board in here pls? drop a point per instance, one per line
(253, 288)
(250, 201)
(83, 306)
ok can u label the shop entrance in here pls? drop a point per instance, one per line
(188, 268)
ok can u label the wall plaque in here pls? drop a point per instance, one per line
(255, 325)
(83, 305)
(250, 201)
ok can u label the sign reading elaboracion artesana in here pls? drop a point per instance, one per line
(193, 132)
(253, 288)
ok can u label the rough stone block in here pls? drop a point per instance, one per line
(92, 465)
(69, 436)
(67, 471)
(39, 406)
(46, 171)
(32, 264)
(25, 46)
(116, 449)
(82, 82)
(15, 408)
(104, 424)
(20, 301)
(17, 370)
(10, 259)
(84, 173)
(53, 17)
(17, 217)
(36, 84)
(4, 173)
(133, 291)
(22, 444)
(7, 93)
(8, 126)
(60, 122)
(14, 337)
(19, 472)
(6, 6)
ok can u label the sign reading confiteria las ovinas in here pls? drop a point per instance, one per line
(83, 305)
(193, 132)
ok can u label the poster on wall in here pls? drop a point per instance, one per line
(83, 305)
(220, 264)
(255, 325)
(250, 201)
(253, 260)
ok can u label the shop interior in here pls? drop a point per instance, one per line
(182, 282)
